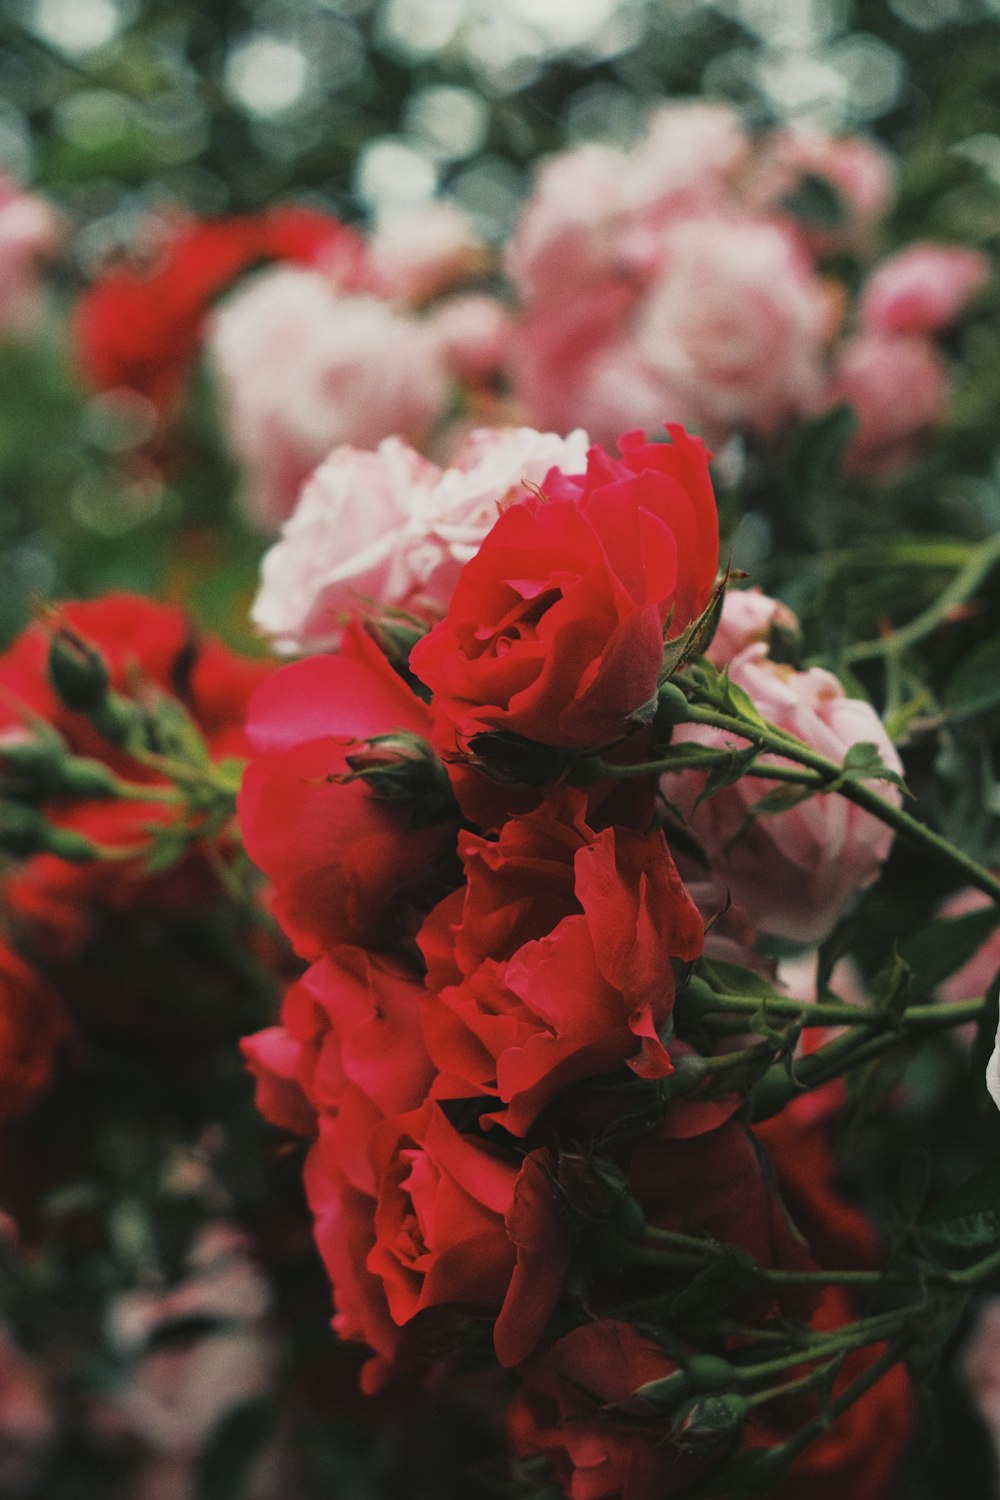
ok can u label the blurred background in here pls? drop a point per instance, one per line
(120, 108)
(162, 1213)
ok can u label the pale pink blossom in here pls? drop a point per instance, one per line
(29, 232)
(748, 616)
(342, 545)
(896, 385)
(304, 368)
(390, 527)
(922, 289)
(796, 870)
(418, 253)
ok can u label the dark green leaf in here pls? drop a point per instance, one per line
(815, 202)
(945, 946)
(968, 1217)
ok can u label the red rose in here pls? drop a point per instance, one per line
(349, 1048)
(339, 857)
(555, 629)
(140, 326)
(33, 1026)
(699, 1173)
(560, 1414)
(452, 1223)
(552, 963)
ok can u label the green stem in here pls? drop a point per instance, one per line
(961, 588)
(837, 1013)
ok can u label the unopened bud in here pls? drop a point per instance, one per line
(708, 1422)
(77, 671)
(672, 708)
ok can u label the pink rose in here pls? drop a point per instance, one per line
(733, 327)
(748, 617)
(566, 236)
(794, 871)
(342, 544)
(922, 289)
(29, 231)
(872, 370)
(304, 367)
(725, 330)
(391, 527)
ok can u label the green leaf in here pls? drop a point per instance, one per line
(726, 770)
(815, 202)
(968, 1217)
(863, 762)
(815, 460)
(975, 687)
(938, 950)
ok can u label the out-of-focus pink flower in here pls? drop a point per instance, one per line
(416, 254)
(796, 870)
(860, 171)
(922, 289)
(734, 324)
(177, 1388)
(896, 385)
(304, 368)
(27, 1420)
(393, 528)
(727, 333)
(567, 233)
(691, 146)
(476, 332)
(980, 1365)
(748, 616)
(29, 231)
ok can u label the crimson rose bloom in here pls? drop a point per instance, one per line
(452, 1223)
(560, 1414)
(555, 629)
(140, 326)
(33, 1026)
(338, 856)
(349, 1051)
(552, 963)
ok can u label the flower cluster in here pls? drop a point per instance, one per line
(689, 275)
(494, 1051)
